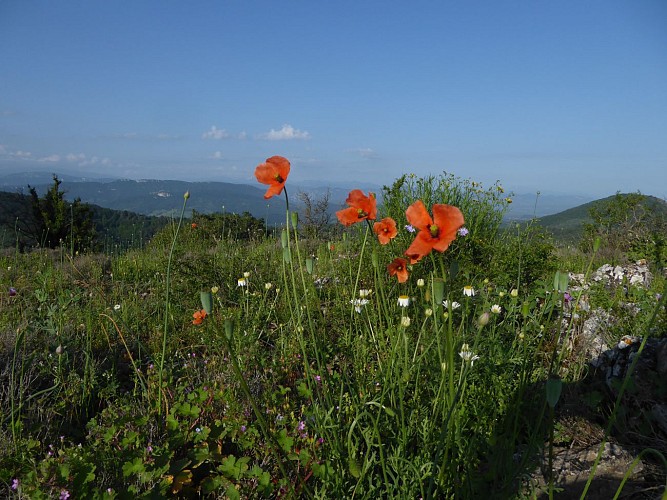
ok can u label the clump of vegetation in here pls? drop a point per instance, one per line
(419, 353)
(50, 221)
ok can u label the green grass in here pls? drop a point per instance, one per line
(284, 390)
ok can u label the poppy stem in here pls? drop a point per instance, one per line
(361, 260)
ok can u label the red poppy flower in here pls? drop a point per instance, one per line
(361, 207)
(193, 225)
(198, 317)
(273, 172)
(434, 233)
(399, 268)
(386, 230)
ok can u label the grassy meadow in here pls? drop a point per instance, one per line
(296, 363)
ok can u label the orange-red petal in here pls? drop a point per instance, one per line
(359, 200)
(273, 172)
(448, 219)
(418, 216)
(398, 267)
(385, 230)
(420, 247)
(348, 216)
(198, 317)
(360, 207)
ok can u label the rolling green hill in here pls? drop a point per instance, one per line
(568, 226)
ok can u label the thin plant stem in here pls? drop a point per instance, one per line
(166, 305)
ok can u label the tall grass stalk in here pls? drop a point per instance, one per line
(166, 305)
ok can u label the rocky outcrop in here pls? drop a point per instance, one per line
(594, 338)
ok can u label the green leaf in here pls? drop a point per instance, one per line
(232, 493)
(303, 390)
(285, 441)
(136, 466)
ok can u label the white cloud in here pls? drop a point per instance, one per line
(50, 158)
(217, 155)
(216, 133)
(74, 157)
(83, 161)
(21, 154)
(285, 134)
(365, 152)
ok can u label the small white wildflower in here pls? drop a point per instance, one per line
(468, 291)
(242, 282)
(467, 355)
(496, 309)
(455, 305)
(116, 307)
(404, 301)
(358, 304)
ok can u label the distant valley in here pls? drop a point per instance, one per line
(164, 197)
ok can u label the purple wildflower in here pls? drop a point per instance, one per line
(567, 297)
(463, 231)
(243, 428)
(410, 228)
(12, 291)
(64, 494)
(15, 484)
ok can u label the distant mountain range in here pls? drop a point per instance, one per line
(164, 197)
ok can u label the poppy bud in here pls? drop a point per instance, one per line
(438, 290)
(229, 328)
(553, 390)
(206, 301)
(374, 259)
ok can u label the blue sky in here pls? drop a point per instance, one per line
(566, 96)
